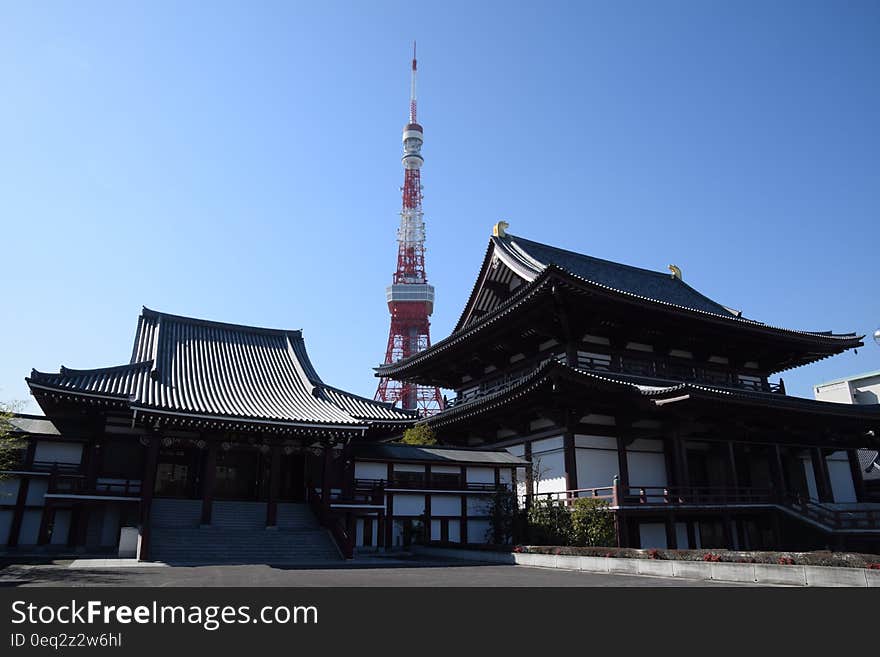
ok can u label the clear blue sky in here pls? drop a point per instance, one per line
(239, 161)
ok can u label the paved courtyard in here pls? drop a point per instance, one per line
(411, 573)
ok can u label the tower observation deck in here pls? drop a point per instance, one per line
(410, 297)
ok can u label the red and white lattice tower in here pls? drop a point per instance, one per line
(410, 297)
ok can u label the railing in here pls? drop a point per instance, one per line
(78, 485)
(55, 466)
(646, 367)
(361, 485)
(334, 522)
(856, 518)
(835, 518)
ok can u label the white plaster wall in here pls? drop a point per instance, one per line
(646, 468)
(36, 490)
(839, 471)
(370, 470)
(681, 535)
(595, 418)
(596, 468)
(478, 531)
(5, 524)
(811, 478)
(110, 525)
(455, 531)
(443, 505)
(546, 445)
(406, 467)
(552, 470)
(9, 491)
(409, 505)
(58, 452)
(480, 475)
(477, 505)
(359, 530)
(505, 475)
(30, 527)
(61, 528)
(435, 529)
(446, 469)
(652, 535)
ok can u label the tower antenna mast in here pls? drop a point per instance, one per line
(410, 298)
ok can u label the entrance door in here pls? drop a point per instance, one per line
(293, 478)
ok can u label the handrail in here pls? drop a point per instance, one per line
(362, 484)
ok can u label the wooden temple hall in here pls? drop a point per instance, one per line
(219, 442)
(628, 384)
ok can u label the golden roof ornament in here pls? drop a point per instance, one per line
(498, 230)
(676, 272)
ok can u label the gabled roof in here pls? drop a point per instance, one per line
(32, 425)
(193, 367)
(523, 269)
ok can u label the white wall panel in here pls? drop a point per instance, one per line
(61, 528)
(30, 527)
(478, 531)
(551, 467)
(370, 470)
(841, 478)
(546, 445)
(477, 505)
(596, 468)
(652, 535)
(8, 492)
(445, 505)
(646, 468)
(455, 531)
(480, 475)
(5, 524)
(409, 505)
(36, 490)
(58, 452)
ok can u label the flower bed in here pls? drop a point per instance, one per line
(818, 558)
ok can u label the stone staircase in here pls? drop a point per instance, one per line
(237, 534)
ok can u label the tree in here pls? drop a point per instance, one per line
(10, 443)
(420, 434)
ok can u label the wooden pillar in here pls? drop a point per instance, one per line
(208, 482)
(93, 462)
(671, 534)
(622, 471)
(855, 469)
(80, 531)
(777, 471)
(571, 477)
(463, 529)
(621, 529)
(148, 484)
(692, 535)
(389, 521)
(45, 519)
(274, 486)
(530, 474)
(728, 535)
(18, 513)
(731, 465)
(820, 472)
(326, 483)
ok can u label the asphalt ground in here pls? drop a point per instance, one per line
(417, 573)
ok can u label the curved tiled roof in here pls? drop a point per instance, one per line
(536, 263)
(196, 367)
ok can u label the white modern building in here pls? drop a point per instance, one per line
(858, 389)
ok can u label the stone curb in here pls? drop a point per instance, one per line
(752, 573)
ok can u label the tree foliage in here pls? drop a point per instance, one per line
(10, 443)
(420, 434)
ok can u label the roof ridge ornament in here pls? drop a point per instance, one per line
(676, 272)
(498, 230)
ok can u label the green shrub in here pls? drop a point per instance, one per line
(592, 524)
(549, 523)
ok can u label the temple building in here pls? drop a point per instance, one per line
(220, 442)
(628, 384)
